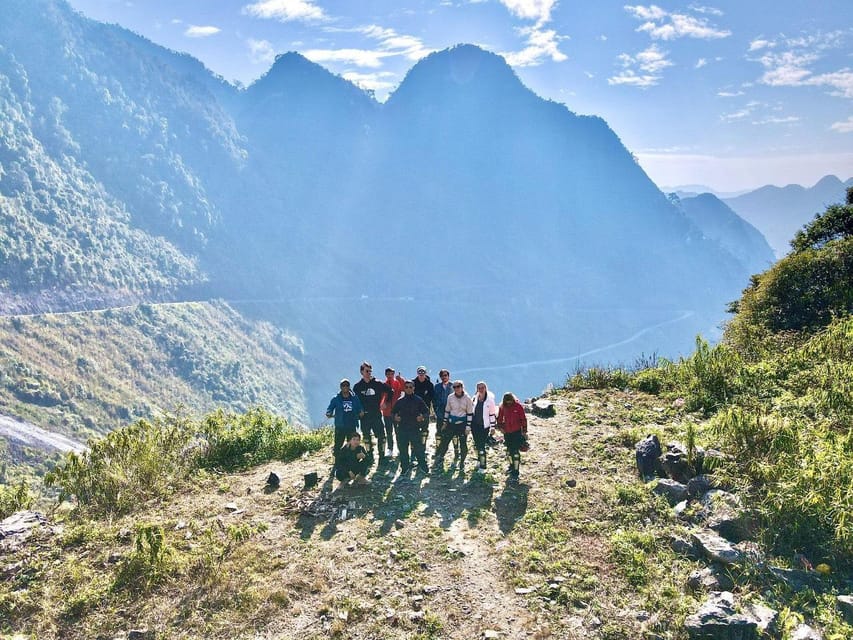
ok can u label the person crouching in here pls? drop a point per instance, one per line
(351, 464)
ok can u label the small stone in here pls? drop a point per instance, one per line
(430, 589)
(231, 506)
(417, 598)
(716, 547)
(572, 483)
(370, 572)
(491, 634)
(181, 524)
(140, 634)
(845, 605)
(523, 591)
(399, 524)
(805, 632)
(416, 616)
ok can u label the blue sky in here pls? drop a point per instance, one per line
(733, 94)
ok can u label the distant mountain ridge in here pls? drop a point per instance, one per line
(778, 212)
(464, 221)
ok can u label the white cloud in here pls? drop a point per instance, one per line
(736, 115)
(701, 62)
(761, 43)
(542, 44)
(792, 67)
(662, 25)
(841, 81)
(359, 57)
(176, 21)
(845, 126)
(709, 10)
(538, 10)
(261, 51)
(777, 120)
(397, 44)
(286, 10)
(729, 94)
(372, 81)
(195, 31)
(642, 69)
(786, 69)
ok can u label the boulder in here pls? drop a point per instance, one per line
(672, 490)
(683, 547)
(18, 527)
(718, 620)
(544, 409)
(845, 606)
(708, 579)
(766, 618)
(805, 632)
(273, 480)
(648, 452)
(700, 484)
(725, 515)
(675, 464)
(715, 547)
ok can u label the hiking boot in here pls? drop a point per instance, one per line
(480, 470)
(361, 481)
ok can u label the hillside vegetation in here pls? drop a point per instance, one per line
(84, 374)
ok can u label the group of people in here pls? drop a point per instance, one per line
(401, 409)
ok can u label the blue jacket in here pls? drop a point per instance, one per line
(346, 412)
(439, 398)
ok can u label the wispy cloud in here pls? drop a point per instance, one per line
(369, 58)
(542, 44)
(845, 126)
(642, 69)
(760, 43)
(538, 10)
(788, 63)
(389, 40)
(390, 44)
(373, 81)
(260, 51)
(195, 31)
(778, 120)
(729, 94)
(701, 62)
(286, 10)
(663, 25)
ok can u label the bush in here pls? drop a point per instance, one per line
(14, 498)
(598, 378)
(648, 381)
(238, 441)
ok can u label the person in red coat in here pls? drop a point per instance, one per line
(396, 384)
(512, 421)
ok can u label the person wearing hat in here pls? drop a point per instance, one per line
(396, 383)
(458, 414)
(513, 422)
(371, 392)
(346, 409)
(425, 390)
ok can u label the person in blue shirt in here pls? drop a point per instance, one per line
(347, 410)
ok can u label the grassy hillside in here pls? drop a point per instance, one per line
(84, 374)
(579, 549)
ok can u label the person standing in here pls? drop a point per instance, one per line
(441, 390)
(458, 413)
(346, 409)
(483, 423)
(371, 392)
(410, 413)
(513, 422)
(425, 389)
(396, 383)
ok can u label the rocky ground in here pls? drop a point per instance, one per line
(578, 549)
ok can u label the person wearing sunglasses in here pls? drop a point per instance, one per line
(410, 413)
(458, 414)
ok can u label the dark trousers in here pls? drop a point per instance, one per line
(372, 425)
(358, 469)
(389, 431)
(341, 437)
(410, 437)
(450, 432)
(513, 442)
(481, 436)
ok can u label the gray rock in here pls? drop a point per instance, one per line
(673, 491)
(766, 618)
(682, 546)
(805, 632)
(725, 515)
(718, 620)
(703, 580)
(17, 528)
(675, 464)
(698, 485)
(796, 579)
(680, 508)
(140, 634)
(715, 547)
(845, 606)
(273, 480)
(544, 409)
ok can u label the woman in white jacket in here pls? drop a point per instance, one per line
(484, 421)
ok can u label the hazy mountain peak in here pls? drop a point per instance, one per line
(459, 69)
(828, 182)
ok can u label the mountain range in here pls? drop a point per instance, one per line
(465, 223)
(779, 212)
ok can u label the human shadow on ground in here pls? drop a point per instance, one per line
(511, 505)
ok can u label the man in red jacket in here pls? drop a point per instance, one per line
(513, 422)
(396, 385)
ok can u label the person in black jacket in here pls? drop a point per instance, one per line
(425, 389)
(372, 394)
(410, 414)
(351, 462)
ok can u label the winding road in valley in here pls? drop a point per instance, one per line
(30, 435)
